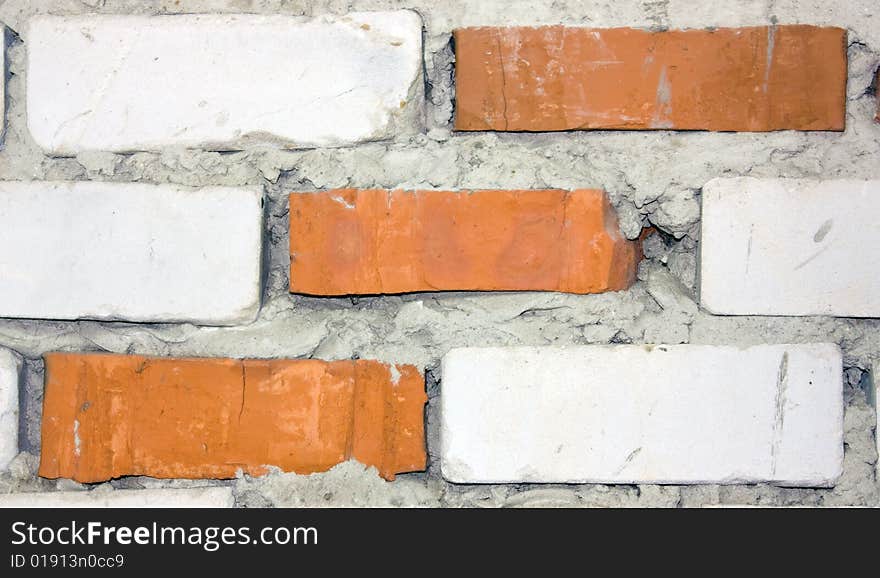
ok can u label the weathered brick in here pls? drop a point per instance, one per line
(162, 498)
(734, 79)
(129, 83)
(106, 416)
(10, 368)
(643, 414)
(356, 241)
(790, 247)
(127, 251)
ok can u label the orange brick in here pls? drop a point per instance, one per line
(730, 79)
(356, 241)
(106, 416)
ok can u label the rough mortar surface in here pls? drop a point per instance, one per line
(653, 178)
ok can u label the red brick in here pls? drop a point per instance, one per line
(106, 416)
(356, 241)
(731, 79)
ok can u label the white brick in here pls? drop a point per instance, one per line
(220, 497)
(790, 247)
(10, 369)
(131, 252)
(643, 414)
(129, 83)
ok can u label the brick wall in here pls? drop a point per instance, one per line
(589, 253)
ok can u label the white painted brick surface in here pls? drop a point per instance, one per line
(790, 247)
(10, 368)
(129, 83)
(162, 498)
(642, 414)
(131, 252)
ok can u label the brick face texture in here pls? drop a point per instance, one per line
(130, 251)
(185, 190)
(106, 416)
(375, 241)
(755, 260)
(738, 79)
(643, 414)
(133, 83)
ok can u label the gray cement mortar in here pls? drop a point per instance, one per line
(653, 178)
